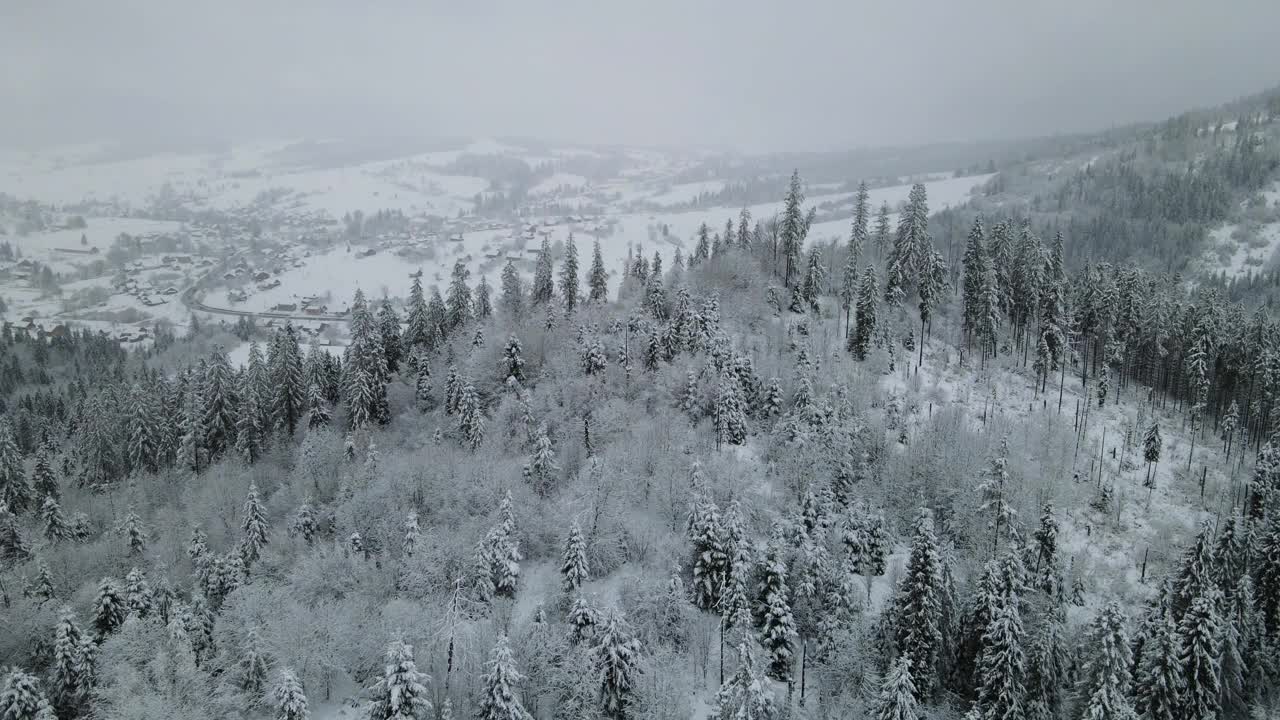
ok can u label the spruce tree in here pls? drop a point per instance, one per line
(597, 278)
(513, 358)
(55, 524)
(746, 695)
(21, 698)
(418, 331)
(710, 557)
(437, 319)
(249, 429)
(498, 698)
(318, 413)
(218, 389)
(729, 412)
(541, 470)
(305, 523)
(401, 692)
(470, 417)
(135, 534)
(290, 700)
(458, 302)
(43, 480)
(252, 675)
(143, 431)
(512, 300)
(569, 276)
(42, 587)
(777, 626)
(582, 620)
(974, 265)
(918, 606)
(73, 665)
(285, 365)
(793, 230)
(543, 286)
(254, 526)
(574, 569)
(15, 490)
(484, 300)
(365, 369)
(1159, 683)
(897, 699)
(137, 593)
(109, 609)
(859, 343)
(616, 658)
(1002, 665)
(1201, 657)
(1104, 685)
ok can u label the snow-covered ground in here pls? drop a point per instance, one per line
(1227, 254)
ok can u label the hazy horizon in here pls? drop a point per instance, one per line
(805, 76)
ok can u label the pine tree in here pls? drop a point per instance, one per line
(458, 302)
(418, 332)
(318, 413)
(42, 587)
(814, 275)
(254, 526)
(1046, 669)
(249, 429)
(710, 556)
(569, 276)
(859, 343)
(470, 417)
(21, 698)
(1151, 444)
(918, 607)
(513, 358)
(73, 665)
(109, 608)
(43, 480)
(793, 230)
(1159, 677)
(12, 547)
(574, 569)
(389, 330)
(137, 593)
(512, 300)
(702, 250)
(287, 376)
(897, 699)
(484, 301)
(401, 692)
(597, 278)
(365, 369)
(15, 490)
(143, 431)
(993, 490)
(746, 695)
(305, 524)
(1002, 665)
(291, 702)
(975, 267)
(616, 658)
(134, 533)
(1048, 578)
(55, 525)
(1201, 657)
(252, 675)
(218, 388)
(582, 620)
(498, 699)
(543, 288)
(777, 627)
(1195, 577)
(910, 252)
(540, 472)
(1105, 683)
(729, 412)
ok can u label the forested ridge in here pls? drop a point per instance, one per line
(722, 489)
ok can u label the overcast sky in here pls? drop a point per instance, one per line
(752, 74)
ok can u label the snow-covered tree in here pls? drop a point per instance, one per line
(254, 526)
(1201, 657)
(1104, 685)
(290, 700)
(1159, 683)
(251, 676)
(21, 698)
(540, 471)
(458, 303)
(137, 593)
(582, 620)
(470, 417)
(109, 609)
(498, 697)
(401, 692)
(918, 606)
(859, 342)
(569, 276)
(616, 659)
(897, 699)
(745, 695)
(597, 278)
(543, 285)
(513, 358)
(73, 664)
(15, 490)
(135, 534)
(1002, 666)
(777, 625)
(512, 299)
(574, 569)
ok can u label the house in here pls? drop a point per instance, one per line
(285, 307)
(59, 331)
(171, 290)
(316, 310)
(261, 276)
(237, 296)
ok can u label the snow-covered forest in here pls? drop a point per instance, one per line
(743, 485)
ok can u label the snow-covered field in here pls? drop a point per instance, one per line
(273, 182)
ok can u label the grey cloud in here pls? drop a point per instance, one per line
(753, 74)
